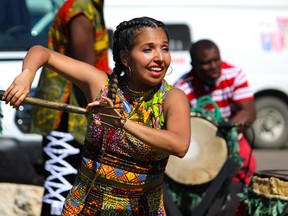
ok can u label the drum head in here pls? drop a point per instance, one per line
(205, 157)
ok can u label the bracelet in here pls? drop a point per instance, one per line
(122, 122)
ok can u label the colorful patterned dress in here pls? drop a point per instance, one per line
(130, 172)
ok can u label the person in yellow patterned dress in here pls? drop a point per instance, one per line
(78, 31)
(136, 120)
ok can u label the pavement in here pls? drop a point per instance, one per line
(271, 159)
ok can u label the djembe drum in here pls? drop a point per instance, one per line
(187, 179)
(267, 195)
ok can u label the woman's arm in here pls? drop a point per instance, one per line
(176, 138)
(90, 80)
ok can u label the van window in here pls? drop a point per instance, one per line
(180, 38)
(28, 23)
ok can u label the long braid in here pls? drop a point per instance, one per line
(123, 40)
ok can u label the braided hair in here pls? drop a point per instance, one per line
(124, 39)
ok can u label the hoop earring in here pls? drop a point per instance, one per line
(128, 71)
(171, 70)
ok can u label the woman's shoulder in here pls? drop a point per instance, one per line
(173, 92)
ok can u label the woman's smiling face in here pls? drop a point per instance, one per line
(149, 59)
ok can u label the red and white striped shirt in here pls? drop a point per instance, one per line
(232, 87)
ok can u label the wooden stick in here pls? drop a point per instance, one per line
(50, 104)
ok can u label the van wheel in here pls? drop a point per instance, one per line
(271, 125)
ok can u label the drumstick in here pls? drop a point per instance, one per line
(50, 104)
(66, 107)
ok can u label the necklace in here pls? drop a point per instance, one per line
(138, 95)
(135, 92)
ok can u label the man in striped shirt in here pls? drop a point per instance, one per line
(228, 86)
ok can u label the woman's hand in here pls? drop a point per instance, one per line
(18, 90)
(110, 116)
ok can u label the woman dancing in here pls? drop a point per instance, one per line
(136, 120)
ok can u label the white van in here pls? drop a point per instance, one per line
(252, 34)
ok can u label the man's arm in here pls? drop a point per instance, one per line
(82, 39)
(246, 114)
(81, 45)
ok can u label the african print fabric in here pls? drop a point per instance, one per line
(129, 171)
